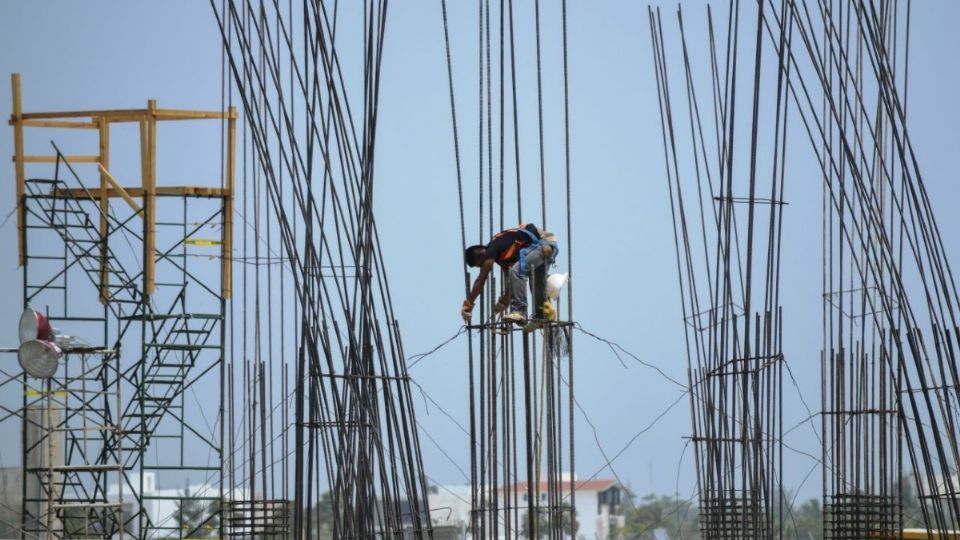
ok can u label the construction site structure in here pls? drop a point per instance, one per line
(65, 479)
(141, 276)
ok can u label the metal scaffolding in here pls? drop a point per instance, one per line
(143, 273)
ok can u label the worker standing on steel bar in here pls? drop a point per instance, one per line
(520, 251)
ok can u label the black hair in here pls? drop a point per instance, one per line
(472, 255)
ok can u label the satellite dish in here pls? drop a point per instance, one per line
(39, 358)
(33, 325)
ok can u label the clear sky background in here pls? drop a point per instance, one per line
(117, 54)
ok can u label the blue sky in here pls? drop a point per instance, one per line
(104, 55)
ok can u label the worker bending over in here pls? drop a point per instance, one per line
(520, 251)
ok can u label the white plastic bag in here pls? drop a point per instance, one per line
(555, 282)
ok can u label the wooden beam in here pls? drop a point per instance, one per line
(126, 118)
(129, 115)
(136, 192)
(924, 534)
(92, 114)
(144, 182)
(226, 256)
(53, 159)
(66, 124)
(182, 114)
(150, 198)
(17, 118)
(103, 164)
(117, 188)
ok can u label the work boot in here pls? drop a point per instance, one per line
(515, 317)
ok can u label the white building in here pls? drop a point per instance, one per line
(160, 505)
(450, 506)
(599, 506)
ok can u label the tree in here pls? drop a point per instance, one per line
(678, 517)
(322, 517)
(211, 525)
(195, 519)
(912, 510)
(804, 521)
(543, 523)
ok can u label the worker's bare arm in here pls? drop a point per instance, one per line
(481, 280)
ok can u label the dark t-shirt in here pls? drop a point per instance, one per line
(499, 244)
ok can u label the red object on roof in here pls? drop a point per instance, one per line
(585, 485)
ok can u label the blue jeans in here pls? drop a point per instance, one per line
(518, 282)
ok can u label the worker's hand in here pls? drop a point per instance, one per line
(467, 310)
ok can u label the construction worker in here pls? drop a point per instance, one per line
(519, 251)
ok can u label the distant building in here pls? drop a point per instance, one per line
(11, 499)
(161, 505)
(599, 506)
(45, 449)
(450, 506)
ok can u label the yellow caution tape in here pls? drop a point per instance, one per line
(33, 392)
(201, 242)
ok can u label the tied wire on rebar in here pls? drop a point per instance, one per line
(309, 153)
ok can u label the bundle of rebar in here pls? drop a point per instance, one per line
(521, 382)
(310, 143)
(890, 299)
(890, 381)
(727, 202)
(861, 445)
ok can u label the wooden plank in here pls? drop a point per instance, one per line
(17, 118)
(150, 200)
(53, 159)
(129, 115)
(183, 114)
(92, 114)
(144, 182)
(196, 191)
(924, 534)
(65, 124)
(104, 164)
(126, 118)
(117, 188)
(126, 115)
(136, 192)
(226, 255)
